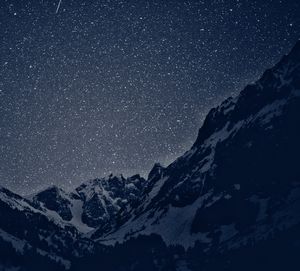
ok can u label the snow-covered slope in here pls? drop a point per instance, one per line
(25, 226)
(16, 254)
(62, 206)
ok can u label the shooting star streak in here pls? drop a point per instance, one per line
(58, 6)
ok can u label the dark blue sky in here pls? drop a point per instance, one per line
(114, 86)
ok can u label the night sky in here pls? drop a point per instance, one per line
(93, 87)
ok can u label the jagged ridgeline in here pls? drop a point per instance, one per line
(231, 202)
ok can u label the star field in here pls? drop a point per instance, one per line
(94, 87)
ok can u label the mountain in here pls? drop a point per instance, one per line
(104, 198)
(25, 230)
(231, 202)
(94, 204)
(246, 154)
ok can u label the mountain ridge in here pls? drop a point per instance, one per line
(237, 188)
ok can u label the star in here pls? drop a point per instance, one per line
(90, 88)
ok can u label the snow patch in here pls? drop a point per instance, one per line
(76, 221)
(163, 224)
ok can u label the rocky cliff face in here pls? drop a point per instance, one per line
(104, 198)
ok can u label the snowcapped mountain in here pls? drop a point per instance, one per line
(63, 206)
(233, 197)
(243, 162)
(104, 198)
(26, 230)
(94, 204)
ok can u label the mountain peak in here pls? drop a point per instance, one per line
(54, 199)
(156, 170)
(269, 88)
